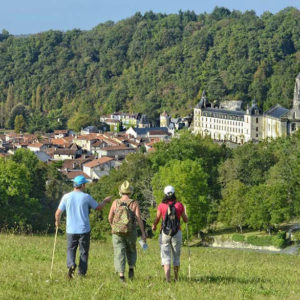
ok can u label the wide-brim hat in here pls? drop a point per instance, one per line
(126, 188)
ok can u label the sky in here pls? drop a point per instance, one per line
(33, 16)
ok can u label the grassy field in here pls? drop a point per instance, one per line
(215, 273)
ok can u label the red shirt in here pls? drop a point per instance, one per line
(163, 207)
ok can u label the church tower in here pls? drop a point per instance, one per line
(294, 113)
(164, 120)
(296, 99)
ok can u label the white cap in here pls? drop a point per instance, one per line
(169, 190)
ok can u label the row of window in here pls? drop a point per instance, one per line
(221, 121)
(227, 137)
(223, 116)
(225, 128)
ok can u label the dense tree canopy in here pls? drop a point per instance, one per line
(27, 202)
(152, 62)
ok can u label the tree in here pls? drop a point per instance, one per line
(2, 114)
(138, 171)
(38, 104)
(267, 207)
(10, 100)
(79, 121)
(18, 110)
(20, 124)
(190, 183)
(38, 171)
(189, 146)
(233, 209)
(18, 207)
(249, 164)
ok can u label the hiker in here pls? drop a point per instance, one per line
(77, 205)
(123, 215)
(170, 239)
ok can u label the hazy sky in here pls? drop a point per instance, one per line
(31, 16)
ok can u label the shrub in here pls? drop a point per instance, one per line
(259, 241)
(278, 240)
(296, 236)
(238, 237)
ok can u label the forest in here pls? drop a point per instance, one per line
(147, 63)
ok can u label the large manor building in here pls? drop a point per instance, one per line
(225, 123)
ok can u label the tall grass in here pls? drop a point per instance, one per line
(215, 273)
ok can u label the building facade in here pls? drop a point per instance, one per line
(239, 126)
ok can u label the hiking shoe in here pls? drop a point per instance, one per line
(122, 279)
(71, 272)
(131, 273)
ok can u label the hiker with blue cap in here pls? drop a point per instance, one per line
(77, 205)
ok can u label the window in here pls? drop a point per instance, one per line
(256, 128)
(293, 128)
(256, 120)
(257, 135)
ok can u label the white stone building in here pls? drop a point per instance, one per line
(99, 167)
(238, 126)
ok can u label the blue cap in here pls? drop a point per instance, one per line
(79, 180)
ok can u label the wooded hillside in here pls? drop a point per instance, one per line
(150, 63)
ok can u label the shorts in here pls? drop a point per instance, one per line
(168, 245)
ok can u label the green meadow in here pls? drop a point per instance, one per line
(215, 273)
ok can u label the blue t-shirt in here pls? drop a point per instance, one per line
(77, 206)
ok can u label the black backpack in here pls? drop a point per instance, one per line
(171, 222)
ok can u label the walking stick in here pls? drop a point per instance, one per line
(189, 251)
(53, 252)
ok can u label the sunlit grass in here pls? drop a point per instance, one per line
(215, 273)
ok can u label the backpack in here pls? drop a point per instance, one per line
(171, 222)
(123, 220)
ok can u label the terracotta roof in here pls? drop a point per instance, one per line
(90, 136)
(76, 163)
(70, 164)
(116, 148)
(50, 151)
(61, 131)
(152, 143)
(158, 132)
(98, 162)
(36, 145)
(73, 174)
(84, 158)
(73, 146)
(111, 142)
(98, 143)
(62, 141)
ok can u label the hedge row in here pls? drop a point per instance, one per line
(278, 240)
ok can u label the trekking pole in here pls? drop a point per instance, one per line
(53, 252)
(189, 251)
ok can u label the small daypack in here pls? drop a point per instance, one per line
(123, 220)
(171, 222)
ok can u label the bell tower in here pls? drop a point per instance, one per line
(296, 99)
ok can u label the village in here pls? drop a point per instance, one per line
(93, 152)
